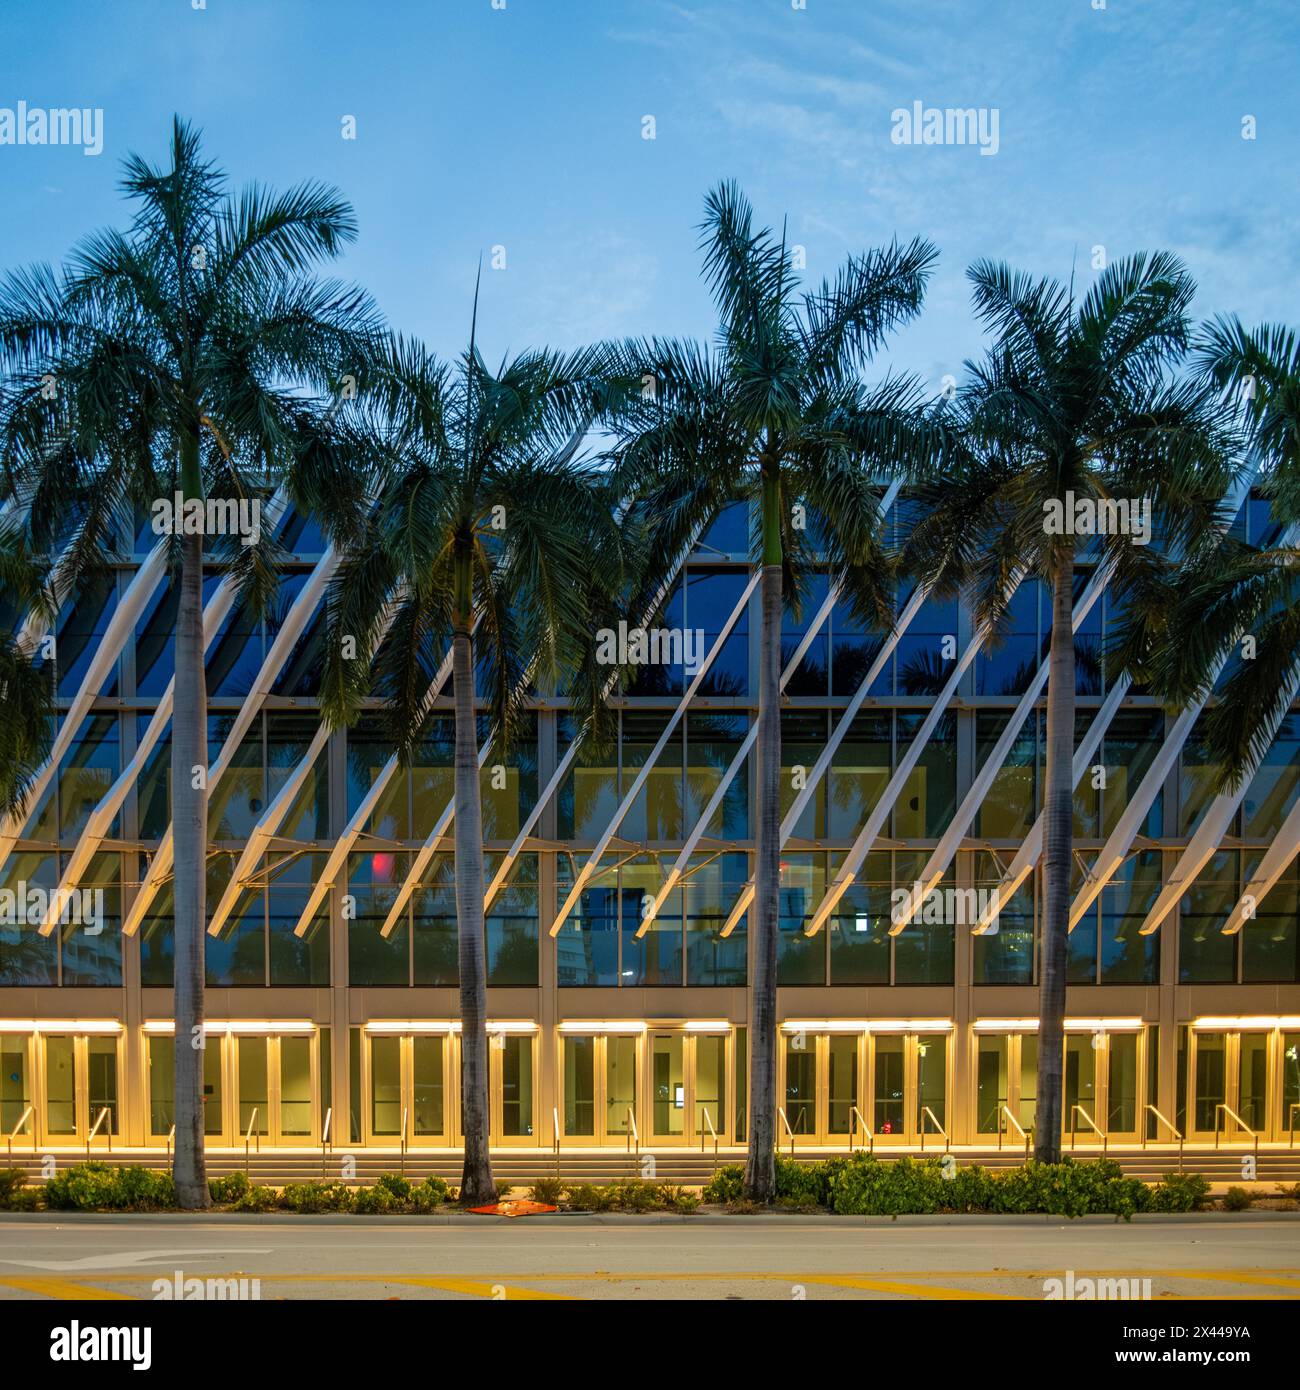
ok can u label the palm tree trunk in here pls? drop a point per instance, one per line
(1058, 813)
(477, 1186)
(760, 1171)
(190, 818)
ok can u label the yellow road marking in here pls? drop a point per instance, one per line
(59, 1288)
(933, 1291)
(479, 1290)
(1232, 1277)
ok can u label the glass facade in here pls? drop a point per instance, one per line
(617, 898)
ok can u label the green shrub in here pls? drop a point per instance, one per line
(801, 1184)
(310, 1198)
(12, 1180)
(399, 1186)
(428, 1195)
(25, 1199)
(633, 1195)
(1071, 1189)
(229, 1189)
(673, 1198)
(1179, 1192)
(255, 1198)
(1237, 1199)
(97, 1186)
(547, 1190)
(376, 1201)
(588, 1197)
(726, 1185)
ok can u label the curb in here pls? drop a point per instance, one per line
(578, 1219)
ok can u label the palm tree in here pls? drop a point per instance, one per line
(1236, 588)
(25, 693)
(776, 413)
(490, 531)
(180, 350)
(1074, 403)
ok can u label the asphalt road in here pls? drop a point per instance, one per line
(743, 1258)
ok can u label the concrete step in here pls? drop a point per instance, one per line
(687, 1167)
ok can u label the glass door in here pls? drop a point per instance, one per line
(599, 1074)
(81, 1088)
(405, 1083)
(1006, 1080)
(688, 1087)
(275, 1089)
(513, 1102)
(162, 1088)
(17, 1104)
(909, 1088)
(668, 1088)
(1209, 1070)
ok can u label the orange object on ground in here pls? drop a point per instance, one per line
(509, 1208)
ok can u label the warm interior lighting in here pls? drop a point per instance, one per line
(868, 1025)
(1103, 1025)
(580, 1025)
(519, 1025)
(413, 1025)
(60, 1025)
(708, 1025)
(237, 1025)
(1252, 1021)
(1072, 1025)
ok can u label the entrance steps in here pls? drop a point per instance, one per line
(687, 1167)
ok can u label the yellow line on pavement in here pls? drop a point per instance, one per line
(476, 1289)
(934, 1291)
(59, 1288)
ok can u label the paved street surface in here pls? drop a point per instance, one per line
(750, 1259)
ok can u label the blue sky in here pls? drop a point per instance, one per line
(522, 127)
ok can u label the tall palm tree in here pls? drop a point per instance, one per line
(25, 693)
(1237, 588)
(181, 350)
(776, 413)
(1075, 402)
(490, 532)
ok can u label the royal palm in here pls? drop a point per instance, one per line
(192, 354)
(1074, 406)
(776, 413)
(491, 534)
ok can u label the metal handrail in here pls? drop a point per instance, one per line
(785, 1120)
(1238, 1121)
(633, 1133)
(555, 1127)
(1091, 1123)
(405, 1120)
(934, 1120)
(856, 1114)
(249, 1136)
(171, 1138)
(94, 1129)
(1172, 1130)
(30, 1111)
(1292, 1111)
(708, 1120)
(325, 1139)
(1005, 1110)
